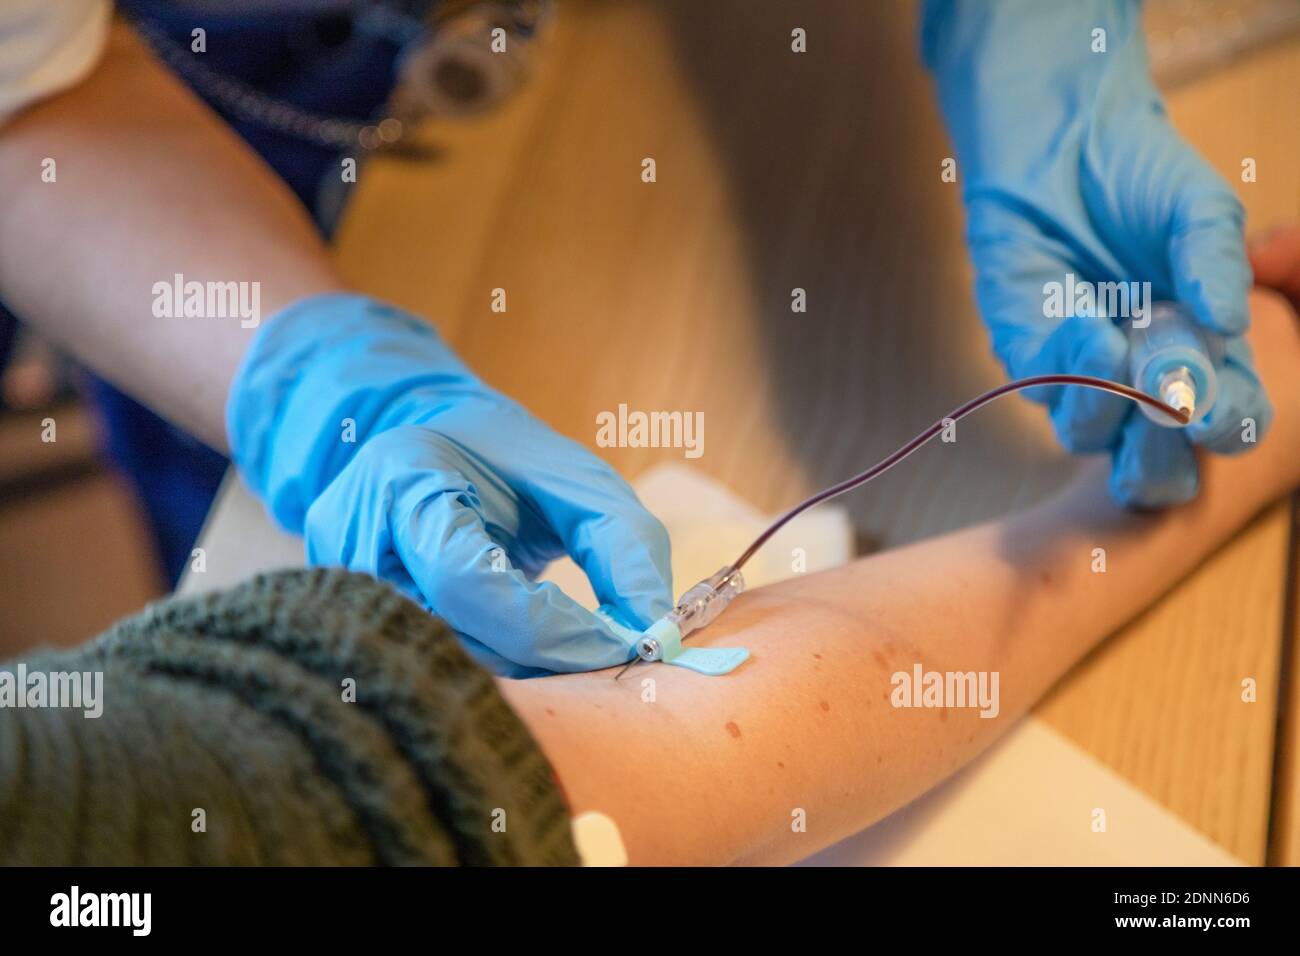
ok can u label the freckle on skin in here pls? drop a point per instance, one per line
(879, 658)
(817, 656)
(780, 764)
(879, 760)
(551, 712)
(824, 705)
(943, 714)
(733, 729)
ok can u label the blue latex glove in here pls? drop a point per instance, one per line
(1070, 165)
(451, 491)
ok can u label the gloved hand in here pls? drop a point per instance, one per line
(360, 429)
(1070, 165)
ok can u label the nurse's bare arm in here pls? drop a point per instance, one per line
(150, 183)
(714, 768)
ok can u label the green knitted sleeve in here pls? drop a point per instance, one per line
(311, 717)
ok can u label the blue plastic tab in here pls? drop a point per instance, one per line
(713, 661)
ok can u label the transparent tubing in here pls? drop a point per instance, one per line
(1171, 358)
(834, 491)
(695, 609)
(703, 602)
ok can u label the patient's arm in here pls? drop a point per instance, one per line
(711, 771)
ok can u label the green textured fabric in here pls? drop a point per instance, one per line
(233, 703)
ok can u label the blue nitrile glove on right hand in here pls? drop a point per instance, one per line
(1070, 166)
(361, 430)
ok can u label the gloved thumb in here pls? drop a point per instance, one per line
(621, 546)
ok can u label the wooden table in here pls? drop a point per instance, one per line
(821, 171)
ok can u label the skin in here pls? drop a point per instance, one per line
(710, 772)
(1275, 260)
(195, 200)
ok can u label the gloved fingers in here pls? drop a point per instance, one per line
(1152, 467)
(349, 524)
(1015, 261)
(1086, 420)
(571, 497)
(405, 511)
(1207, 258)
(466, 579)
(621, 546)
(1241, 413)
(1169, 218)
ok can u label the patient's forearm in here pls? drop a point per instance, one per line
(714, 768)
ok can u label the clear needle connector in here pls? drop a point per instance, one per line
(1171, 358)
(697, 608)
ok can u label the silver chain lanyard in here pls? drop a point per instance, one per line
(450, 39)
(243, 102)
